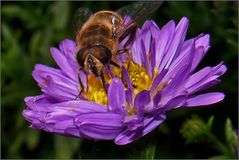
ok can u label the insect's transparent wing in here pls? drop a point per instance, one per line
(139, 10)
(81, 16)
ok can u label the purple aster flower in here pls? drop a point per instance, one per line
(158, 77)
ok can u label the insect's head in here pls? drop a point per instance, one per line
(93, 58)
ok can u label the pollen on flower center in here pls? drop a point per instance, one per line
(139, 77)
(95, 91)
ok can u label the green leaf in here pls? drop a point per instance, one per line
(32, 138)
(65, 147)
(149, 152)
(230, 134)
(210, 122)
(231, 138)
(60, 12)
(34, 45)
(14, 11)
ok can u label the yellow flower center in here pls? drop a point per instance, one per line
(139, 78)
(95, 90)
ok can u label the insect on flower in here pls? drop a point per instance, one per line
(156, 76)
(98, 35)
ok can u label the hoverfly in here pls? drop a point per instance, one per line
(98, 35)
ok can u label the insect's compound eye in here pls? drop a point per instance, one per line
(80, 56)
(102, 53)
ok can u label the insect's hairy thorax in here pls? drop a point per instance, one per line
(97, 32)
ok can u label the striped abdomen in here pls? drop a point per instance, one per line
(96, 34)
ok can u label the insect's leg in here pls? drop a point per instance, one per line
(103, 80)
(122, 51)
(131, 32)
(125, 50)
(114, 64)
(81, 85)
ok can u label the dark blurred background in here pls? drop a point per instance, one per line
(29, 29)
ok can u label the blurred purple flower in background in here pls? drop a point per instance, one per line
(159, 77)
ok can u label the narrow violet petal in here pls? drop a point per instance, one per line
(33, 116)
(203, 41)
(73, 132)
(174, 103)
(39, 103)
(158, 79)
(205, 99)
(142, 99)
(215, 72)
(126, 78)
(199, 52)
(99, 125)
(154, 28)
(68, 47)
(157, 98)
(136, 50)
(129, 96)
(177, 81)
(41, 72)
(116, 95)
(152, 57)
(78, 106)
(63, 63)
(180, 61)
(66, 127)
(145, 59)
(198, 76)
(57, 91)
(146, 35)
(57, 88)
(176, 44)
(163, 41)
(99, 132)
(150, 123)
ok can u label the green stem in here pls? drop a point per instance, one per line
(218, 145)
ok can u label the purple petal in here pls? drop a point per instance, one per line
(145, 58)
(129, 96)
(116, 95)
(157, 98)
(67, 127)
(68, 47)
(79, 106)
(63, 62)
(150, 123)
(59, 92)
(198, 76)
(136, 50)
(177, 81)
(208, 80)
(163, 41)
(180, 61)
(201, 45)
(146, 34)
(126, 78)
(205, 99)
(158, 79)
(142, 99)
(200, 51)
(176, 44)
(152, 57)
(174, 103)
(103, 126)
(54, 82)
(39, 103)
